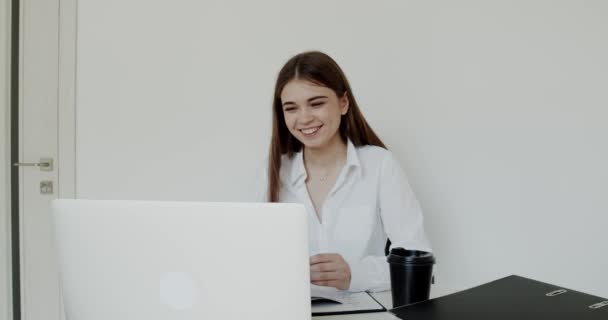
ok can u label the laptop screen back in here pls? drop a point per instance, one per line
(150, 260)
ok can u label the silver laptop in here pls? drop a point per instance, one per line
(126, 260)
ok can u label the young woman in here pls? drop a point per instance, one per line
(324, 155)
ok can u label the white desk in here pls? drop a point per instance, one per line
(383, 297)
(386, 300)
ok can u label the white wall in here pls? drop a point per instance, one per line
(496, 109)
(5, 267)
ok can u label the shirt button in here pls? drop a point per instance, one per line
(326, 215)
(322, 240)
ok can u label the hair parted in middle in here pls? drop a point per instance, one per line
(320, 69)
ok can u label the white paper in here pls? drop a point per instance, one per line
(327, 299)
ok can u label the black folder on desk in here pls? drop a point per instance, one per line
(510, 298)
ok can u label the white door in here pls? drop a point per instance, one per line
(42, 69)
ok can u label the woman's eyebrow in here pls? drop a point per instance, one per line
(316, 97)
(309, 100)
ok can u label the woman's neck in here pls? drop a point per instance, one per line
(328, 156)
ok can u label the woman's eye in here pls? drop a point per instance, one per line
(290, 109)
(318, 104)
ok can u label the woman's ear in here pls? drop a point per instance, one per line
(344, 104)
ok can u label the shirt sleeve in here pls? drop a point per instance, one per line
(399, 210)
(403, 223)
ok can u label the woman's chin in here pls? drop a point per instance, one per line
(314, 143)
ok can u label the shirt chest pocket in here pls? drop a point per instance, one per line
(354, 226)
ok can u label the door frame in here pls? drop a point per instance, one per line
(10, 98)
(6, 287)
(66, 162)
(66, 118)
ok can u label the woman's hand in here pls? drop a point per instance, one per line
(330, 270)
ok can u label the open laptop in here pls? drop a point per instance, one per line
(126, 260)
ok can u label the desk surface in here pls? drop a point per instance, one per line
(385, 299)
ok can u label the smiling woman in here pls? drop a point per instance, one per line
(325, 156)
(312, 112)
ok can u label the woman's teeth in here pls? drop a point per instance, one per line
(310, 130)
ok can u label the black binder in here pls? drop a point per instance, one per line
(510, 298)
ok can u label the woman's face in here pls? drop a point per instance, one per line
(312, 112)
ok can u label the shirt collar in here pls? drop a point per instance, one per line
(298, 172)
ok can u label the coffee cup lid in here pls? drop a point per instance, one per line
(400, 255)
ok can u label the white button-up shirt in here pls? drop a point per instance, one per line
(370, 201)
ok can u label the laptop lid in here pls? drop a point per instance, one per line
(125, 260)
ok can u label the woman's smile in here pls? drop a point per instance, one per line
(309, 132)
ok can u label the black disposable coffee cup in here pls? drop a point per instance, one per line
(411, 275)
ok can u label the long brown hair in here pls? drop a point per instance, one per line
(321, 69)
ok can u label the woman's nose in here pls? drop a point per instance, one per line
(306, 116)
